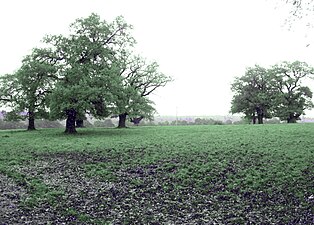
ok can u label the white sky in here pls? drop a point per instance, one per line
(202, 44)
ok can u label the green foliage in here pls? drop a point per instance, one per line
(253, 94)
(187, 174)
(87, 67)
(96, 73)
(7, 90)
(292, 98)
(139, 79)
(27, 88)
(14, 116)
(90, 70)
(278, 91)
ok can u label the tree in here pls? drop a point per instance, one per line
(27, 88)
(240, 104)
(253, 94)
(139, 79)
(292, 98)
(87, 68)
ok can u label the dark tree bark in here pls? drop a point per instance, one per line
(260, 115)
(70, 122)
(136, 121)
(122, 120)
(254, 119)
(31, 121)
(260, 118)
(293, 118)
(80, 123)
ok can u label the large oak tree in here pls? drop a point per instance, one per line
(87, 68)
(253, 94)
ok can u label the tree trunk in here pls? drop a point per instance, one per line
(122, 120)
(254, 119)
(31, 121)
(70, 122)
(291, 120)
(260, 115)
(80, 123)
(260, 119)
(293, 117)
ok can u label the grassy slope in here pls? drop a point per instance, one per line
(198, 174)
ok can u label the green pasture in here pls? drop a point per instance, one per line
(232, 174)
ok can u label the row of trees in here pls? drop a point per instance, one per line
(93, 70)
(41, 123)
(273, 92)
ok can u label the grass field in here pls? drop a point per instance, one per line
(237, 174)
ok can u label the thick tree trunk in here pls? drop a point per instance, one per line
(293, 117)
(260, 119)
(122, 120)
(70, 122)
(31, 121)
(260, 115)
(291, 120)
(80, 123)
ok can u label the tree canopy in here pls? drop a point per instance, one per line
(139, 80)
(85, 72)
(27, 88)
(252, 94)
(274, 92)
(292, 97)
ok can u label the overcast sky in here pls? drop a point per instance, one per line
(202, 44)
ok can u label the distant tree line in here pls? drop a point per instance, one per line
(278, 91)
(8, 123)
(40, 123)
(92, 71)
(203, 121)
(111, 123)
(183, 122)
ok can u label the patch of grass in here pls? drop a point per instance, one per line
(198, 174)
(102, 170)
